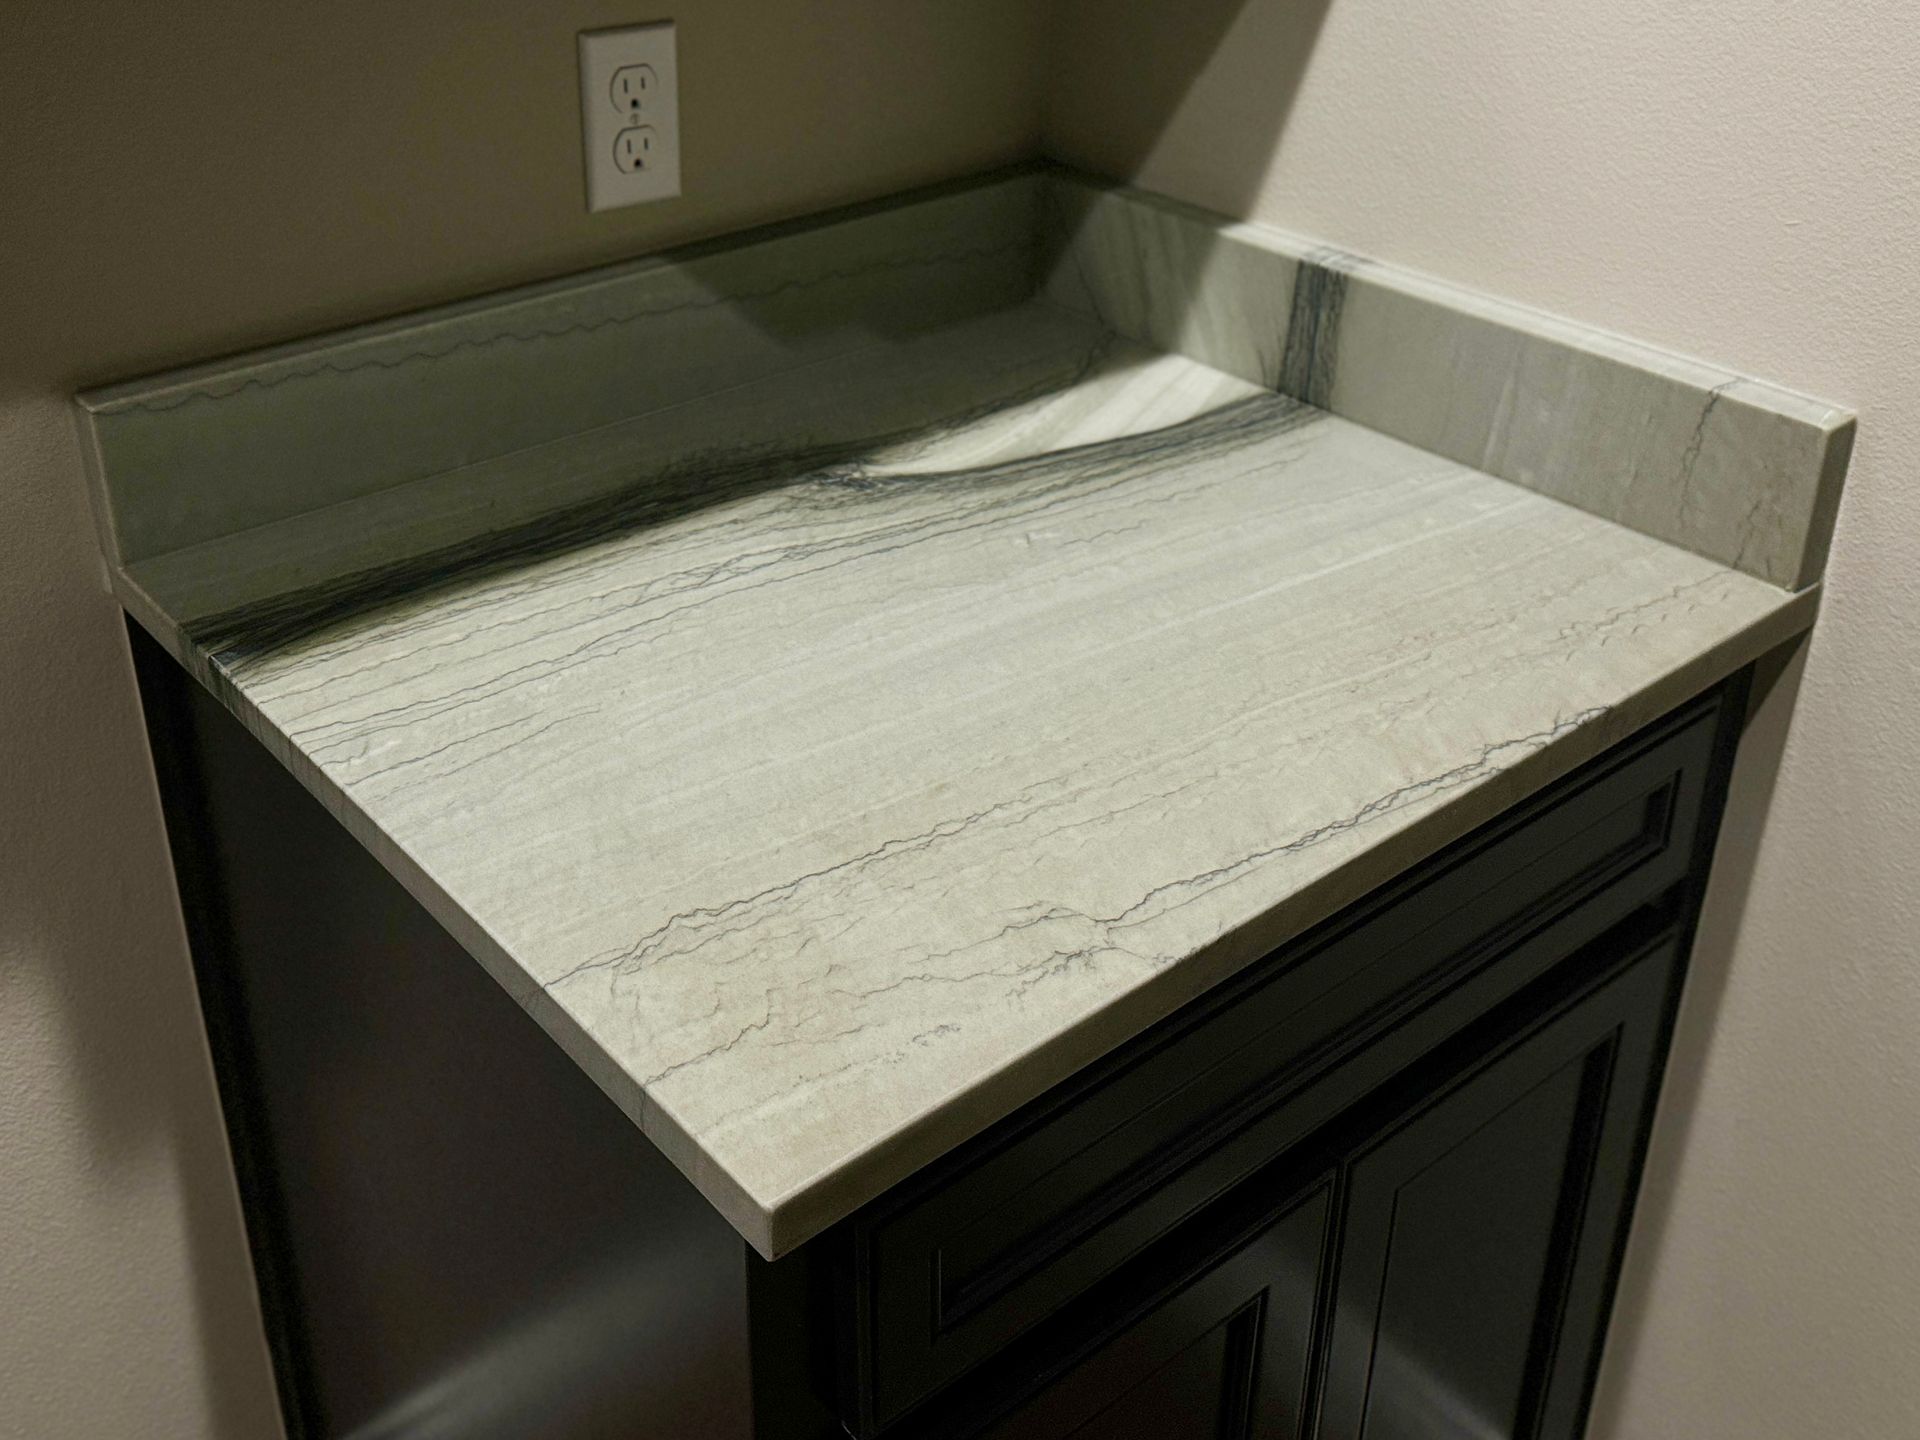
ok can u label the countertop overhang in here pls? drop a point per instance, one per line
(836, 752)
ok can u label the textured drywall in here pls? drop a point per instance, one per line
(180, 181)
(1740, 181)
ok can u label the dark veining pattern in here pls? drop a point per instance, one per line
(831, 473)
(1311, 351)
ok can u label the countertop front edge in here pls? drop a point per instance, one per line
(778, 1225)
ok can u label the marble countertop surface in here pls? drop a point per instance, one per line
(833, 806)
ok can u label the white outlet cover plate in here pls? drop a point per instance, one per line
(629, 91)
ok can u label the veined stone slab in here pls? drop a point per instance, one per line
(838, 742)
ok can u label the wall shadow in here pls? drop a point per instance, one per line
(1124, 71)
(1134, 85)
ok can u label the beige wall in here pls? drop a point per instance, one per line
(1736, 180)
(1739, 179)
(181, 180)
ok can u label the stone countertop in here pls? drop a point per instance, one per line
(833, 804)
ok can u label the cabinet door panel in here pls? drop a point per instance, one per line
(1477, 1217)
(1224, 1356)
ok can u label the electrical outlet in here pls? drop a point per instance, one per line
(635, 87)
(630, 114)
(633, 149)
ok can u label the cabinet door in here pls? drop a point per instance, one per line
(1224, 1356)
(1482, 1227)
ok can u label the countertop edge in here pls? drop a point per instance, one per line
(777, 1227)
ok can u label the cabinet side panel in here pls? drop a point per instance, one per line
(455, 1232)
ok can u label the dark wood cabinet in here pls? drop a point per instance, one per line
(1226, 1355)
(1374, 1187)
(1433, 1265)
